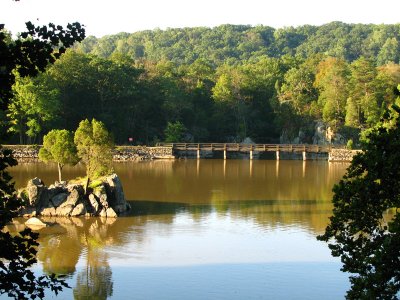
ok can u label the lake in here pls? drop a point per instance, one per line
(200, 229)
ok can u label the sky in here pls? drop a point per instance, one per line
(104, 17)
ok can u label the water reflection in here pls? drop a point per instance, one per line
(198, 181)
(249, 211)
(269, 192)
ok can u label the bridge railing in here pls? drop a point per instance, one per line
(251, 147)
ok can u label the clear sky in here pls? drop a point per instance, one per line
(103, 17)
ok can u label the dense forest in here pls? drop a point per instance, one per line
(218, 84)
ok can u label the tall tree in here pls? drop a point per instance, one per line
(228, 90)
(35, 106)
(95, 145)
(363, 90)
(364, 230)
(331, 81)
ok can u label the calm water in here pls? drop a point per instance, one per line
(208, 229)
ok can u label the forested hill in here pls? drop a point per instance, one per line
(218, 85)
(230, 43)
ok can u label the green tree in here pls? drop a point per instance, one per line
(331, 81)
(228, 90)
(59, 147)
(29, 55)
(364, 230)
(174, 132)
(95, 147)
(389, 52)
(363, 90)
(35, 104)
(353, 113)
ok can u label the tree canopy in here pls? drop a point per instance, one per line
(364, 230)
(58, 146)
(95, 146)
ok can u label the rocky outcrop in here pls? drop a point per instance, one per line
(324, 135)
(105, 199)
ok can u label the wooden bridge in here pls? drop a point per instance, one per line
(251, 148)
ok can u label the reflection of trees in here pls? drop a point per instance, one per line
(60, 252)
(95, 280)
(61, 247)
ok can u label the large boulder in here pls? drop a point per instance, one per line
(35, 222)
(35, 189)
(117, 198)
(79, 210)
(94, 204)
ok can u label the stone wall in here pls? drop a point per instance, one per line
(137, 153)
(24, 153)
(29, 153)
(342, 155)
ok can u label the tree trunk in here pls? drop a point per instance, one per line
(60, 166)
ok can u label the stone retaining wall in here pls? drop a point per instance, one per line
(342, 155)
(29, 153)
(137, 153)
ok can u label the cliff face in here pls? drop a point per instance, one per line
(105, 199)
(321, 135)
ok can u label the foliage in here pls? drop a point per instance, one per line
(174, 132)
(235, 43)
(95, 146)
(18, 252)
(223, 83)
(350, 144)
(35, 104)
(33, 52)
(364, 230)
(28, 55)
(59, 147)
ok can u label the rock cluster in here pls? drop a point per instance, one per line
(106, 199)
(342, 154)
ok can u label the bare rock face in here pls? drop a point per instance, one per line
(75, 194)
(117, 201)
(106, 200)
(65, 210)
(94, 204)
(111, 213)
(48, 211)
(59, 199)
(35, 189)
(79, 210)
